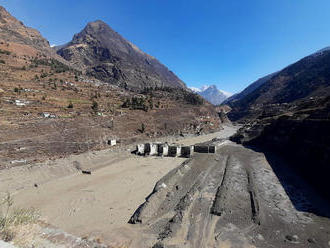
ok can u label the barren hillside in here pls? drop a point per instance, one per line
(49, 108)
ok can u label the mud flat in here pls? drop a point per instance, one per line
(229, 199)
(232, 198)
(97, 205)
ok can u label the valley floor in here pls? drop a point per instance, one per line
(235, 198)
(98, 205)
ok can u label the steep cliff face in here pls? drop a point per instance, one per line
(301, 136)
(290, 115)
(106, 55)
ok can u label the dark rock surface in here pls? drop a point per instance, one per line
(303, 137)
(229, 199)
(106, 55)
(290, 114)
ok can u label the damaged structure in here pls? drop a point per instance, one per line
(173, 150)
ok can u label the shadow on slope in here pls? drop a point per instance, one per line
(306, 193)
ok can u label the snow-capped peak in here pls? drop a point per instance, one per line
(211, 93)
(204, 87)
(227, 94)
(194, 89)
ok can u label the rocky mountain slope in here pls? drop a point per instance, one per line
(290, 114)
(104, 54)
(18, 37)
(212, 94)
(13, 30)
(49, 108)
(306, 78)
(249, 89)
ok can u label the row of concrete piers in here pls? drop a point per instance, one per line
(173, 150)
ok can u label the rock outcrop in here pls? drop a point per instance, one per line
(300, 133)
(290, 114)
(103, 53)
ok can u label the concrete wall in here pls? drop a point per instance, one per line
(147, 149)
(153, 149)
(163, 149)
(187, 151)
(172, 151)
(205, 149)
(178, 151)
(212, 149)
(201, 149)
(140, 149)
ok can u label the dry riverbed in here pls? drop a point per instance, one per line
(234, 198)
(97, 205)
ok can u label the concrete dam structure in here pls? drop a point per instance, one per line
(172, 150)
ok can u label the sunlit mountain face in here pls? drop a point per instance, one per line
(212, 94)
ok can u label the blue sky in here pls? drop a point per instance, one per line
(227, 43)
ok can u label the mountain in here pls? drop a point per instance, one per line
(319, 52)
(197, 90)
(20, 38)
(309, 77)
(263, 80)
(106, 55)
(289, 115)
(53, 109)
(13, 30)
(249, 89)
(211, 94)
